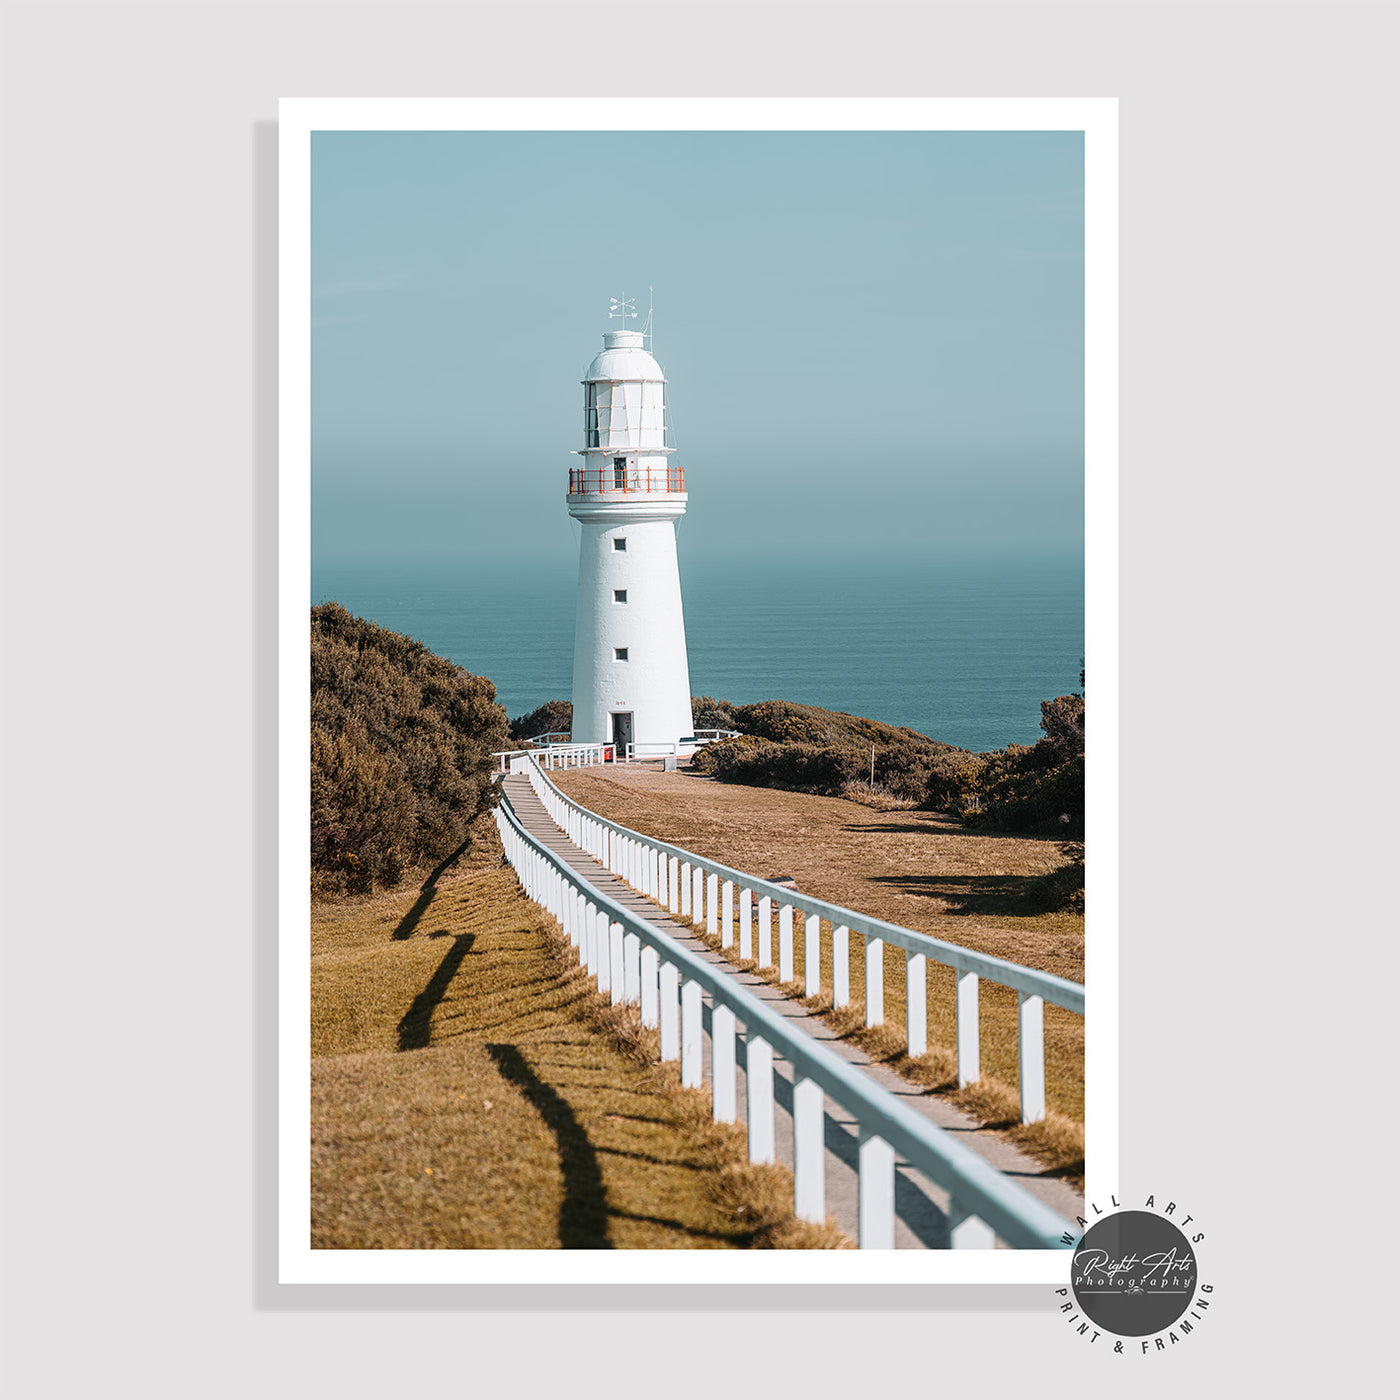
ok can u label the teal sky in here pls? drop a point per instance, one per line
(873, 340)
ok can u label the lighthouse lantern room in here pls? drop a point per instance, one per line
(631, 675)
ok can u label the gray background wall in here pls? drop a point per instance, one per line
(1258, 314)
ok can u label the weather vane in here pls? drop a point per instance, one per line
(622, 307)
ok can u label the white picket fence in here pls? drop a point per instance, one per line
(696, 888)
(557, 756)
(634, 961)
(566, 755)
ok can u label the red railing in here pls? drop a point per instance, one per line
(625, 480)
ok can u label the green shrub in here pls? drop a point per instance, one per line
(401, 744)
(952, 784)
(553, 717)
(708, 713)
(1062, 719)
(1063, 888)
(1034, 788)
(1049, 801)
(815, 768)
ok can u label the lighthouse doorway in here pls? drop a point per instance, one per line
(622, 732)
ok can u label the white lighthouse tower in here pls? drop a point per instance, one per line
(631, 676)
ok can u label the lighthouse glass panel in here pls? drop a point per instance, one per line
(590, 413)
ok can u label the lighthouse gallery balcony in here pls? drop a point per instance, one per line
(626, 480)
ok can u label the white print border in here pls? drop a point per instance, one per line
(1097, 118)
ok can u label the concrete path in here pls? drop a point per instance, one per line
(920, 1205)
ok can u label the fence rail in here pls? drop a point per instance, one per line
(634, 961)
(697, 888)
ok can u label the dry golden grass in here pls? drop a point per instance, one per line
(471, 1090)
(921, 870)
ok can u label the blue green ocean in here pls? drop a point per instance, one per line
(963, 652)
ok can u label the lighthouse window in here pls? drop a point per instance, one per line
(591, 414)
(619, 653)
(620, 544)
(619, 595)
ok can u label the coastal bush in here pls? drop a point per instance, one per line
(1062, 889)
(809, 749)
(553, 717)
(1062, 719)
(729, 758)
(1047, 800)
(952, 783)
(401, 744)
(1036, 788)
(709, 713)
(787, 723)
(819, 768)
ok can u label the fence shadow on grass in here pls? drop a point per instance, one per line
(416, 1028)
(427, 890)
(970, 894)
(583, 1215)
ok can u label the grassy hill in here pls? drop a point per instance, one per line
(471, 1090)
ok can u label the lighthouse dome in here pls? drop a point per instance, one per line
(623, 357)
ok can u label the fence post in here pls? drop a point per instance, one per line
(631, 968)
(765, 930)
(692, 1071)
(670, 1012)
(967, 1231)
(758, 1082)
(712, 904)
(726, 1108)
(673, 887)
(969, 1041)
(874, 981)
(726, 931)
(697, 897)
(808, 1152)
(685, 891)
(650, 991)
(603, 940)
(615, 963)
(590, 938)
(746, 924)
(841, 965)
(876, 1211)
(915, 1003)
(785, 943)
(812, 955)
(1031, 1053)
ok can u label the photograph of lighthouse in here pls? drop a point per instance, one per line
(696, 517)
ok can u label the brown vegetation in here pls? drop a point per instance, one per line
(470, 1089)
(801, 748)
(401, 745)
